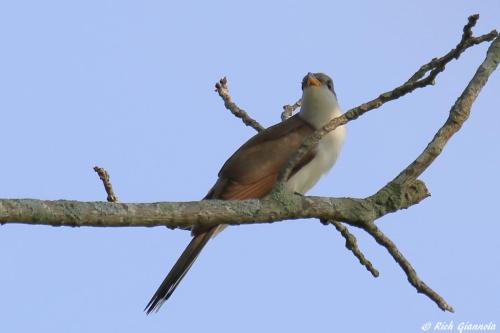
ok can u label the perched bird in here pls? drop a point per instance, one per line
(253, 169)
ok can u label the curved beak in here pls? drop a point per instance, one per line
(312, 80)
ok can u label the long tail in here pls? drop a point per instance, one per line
(180, 269)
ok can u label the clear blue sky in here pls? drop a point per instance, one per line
(128, 85)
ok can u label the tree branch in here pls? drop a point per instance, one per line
(459, 113)
(438, 64)
(222, 89)
(352, 244)
(413, 278)
(289, 109)
(184, 215)
(435, 67)
(104, 176)
(402, 192)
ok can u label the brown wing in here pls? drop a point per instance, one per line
(253, 169)
(250, 173)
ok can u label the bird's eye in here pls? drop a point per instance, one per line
(330, 85)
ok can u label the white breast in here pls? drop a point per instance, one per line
(326, 154)
(319, 105)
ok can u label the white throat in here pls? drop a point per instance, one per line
(319, 106)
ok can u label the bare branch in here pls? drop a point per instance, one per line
(402, 192)
(289, 109)
(352, 245)
(413, 278)
(184, 215)
(435, 67)
(222, 89)
(438, 64)
(103, 174)
(459, 113)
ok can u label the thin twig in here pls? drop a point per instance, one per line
(352, 245)
(435, 67)
(222, 89)
(413, 278)
(459, 113)
(289, 109)
(467, 41)
(104, 175)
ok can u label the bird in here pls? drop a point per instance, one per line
(252, 171)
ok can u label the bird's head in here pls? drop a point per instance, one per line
(315, 81)
(319, 102)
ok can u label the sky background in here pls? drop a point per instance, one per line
(128, 85)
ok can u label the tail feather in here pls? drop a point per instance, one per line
(179, 269)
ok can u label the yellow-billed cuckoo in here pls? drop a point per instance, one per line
(253, 169)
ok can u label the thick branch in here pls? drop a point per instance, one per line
(184, 215)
